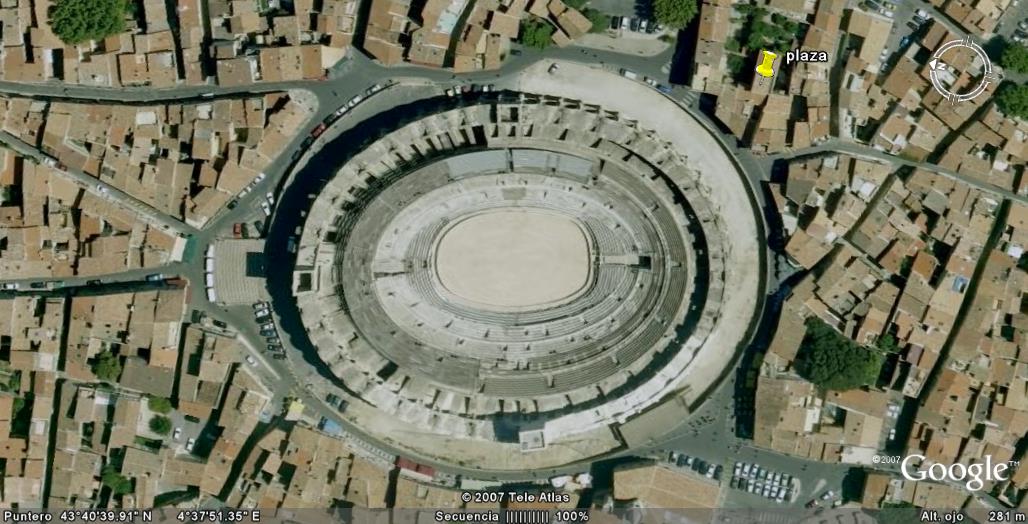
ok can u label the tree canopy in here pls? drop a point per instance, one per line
(159, 405)
(160, 425)
(119, 484)
(758, 33)
(1012, 100)
(107, 367)
(537, 34)
(675, 14)
(1015, 58)
(600, 20)
(77, 21)
(832, 361)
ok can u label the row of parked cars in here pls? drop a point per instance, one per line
(1021, 33)
(469, 88)
(51, 285)
(634, 24)
(262, 314)
(753, 478)
(632, 75)
(707, 469)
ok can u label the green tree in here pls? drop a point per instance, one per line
(1012, 100)
(735, 64)
(119, 484)
(599, 19)
(159, 404)
(536, 33)
(1015, 58)
(832, 361)
(107, 367)
(160, 424)
(675, 14)
(897, 513)
(887, 343)
(77, 21)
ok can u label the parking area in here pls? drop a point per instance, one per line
(697, 465)
(763, 482)
(910, 23)
(268, 330)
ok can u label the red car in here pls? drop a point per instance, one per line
(318, 130)
(237, 230)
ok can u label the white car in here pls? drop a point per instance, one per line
(101, 189)
(190, 443)
(270, 197)
(266, 208)
(251, 361)
(10, 286)
(355, 100)
(260, 176)
(177, 434)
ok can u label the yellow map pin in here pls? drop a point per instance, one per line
(766, 67)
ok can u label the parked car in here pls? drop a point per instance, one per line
(278, 356)
(250, 360)
(94, 282)
(274, 348)
(177, 434)
(190, 443)
(10, 286)
(273, 340)
(155, 277)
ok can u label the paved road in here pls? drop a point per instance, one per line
(146, 212)
(860, 150)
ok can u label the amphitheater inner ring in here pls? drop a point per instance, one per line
(629, 271)
(447, 367)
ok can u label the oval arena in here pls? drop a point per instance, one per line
(509, 277)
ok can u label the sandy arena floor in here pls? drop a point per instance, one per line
(513, 258)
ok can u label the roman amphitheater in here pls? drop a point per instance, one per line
(510, 282)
